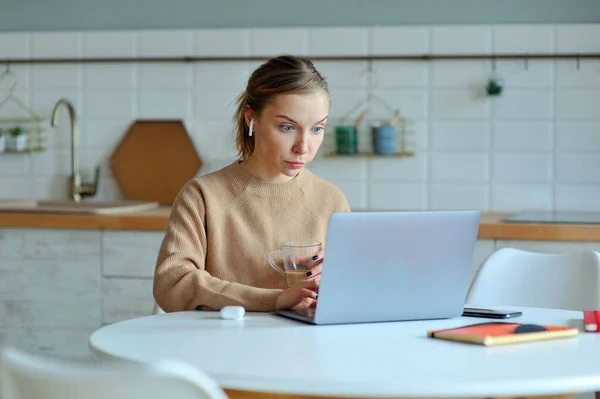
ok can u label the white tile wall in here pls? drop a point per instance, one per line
(522, 196)
(386, 40)
(222, 42)
(165, 77)
(523, 135)
(459, 166)
(459, 104)
(526, 73)
(525, 104)
(523, 39)
(402, 75)
(109, 76)
(577, 38)
(56, 45)
(397, 195)
(109, 44)
(578, 135)
(536, 146)
(15, 45)
(586, 74)
(458, 196)
(460, 135)
(459, 74)
(578, 103)
(522, 167)
(270, 41)
(339, 41)
(461, 39)
(164, 43)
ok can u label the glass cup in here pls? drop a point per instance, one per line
(297, 259)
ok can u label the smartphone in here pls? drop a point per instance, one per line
(491, 313)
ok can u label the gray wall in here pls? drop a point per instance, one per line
(16, 15)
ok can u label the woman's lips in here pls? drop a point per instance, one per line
(295, 165)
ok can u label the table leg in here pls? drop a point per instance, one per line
(236, 394)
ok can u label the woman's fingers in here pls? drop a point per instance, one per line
(303, 295)
(306, 303)
(311, 284)
(317, 266)
(315, 270)
(308, 293)
(319, 255)
(310, 260)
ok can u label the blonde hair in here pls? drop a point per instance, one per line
(285, 74)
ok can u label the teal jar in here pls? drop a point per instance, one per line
(346, 140)
(384, 139)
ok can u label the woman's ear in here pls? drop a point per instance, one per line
(248, 115)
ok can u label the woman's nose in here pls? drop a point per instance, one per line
(301, 145)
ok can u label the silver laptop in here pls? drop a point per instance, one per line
(394, 266)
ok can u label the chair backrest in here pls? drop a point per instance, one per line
(516, 277)
(27, 376)
(156, 309)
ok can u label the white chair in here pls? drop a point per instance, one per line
(516, 277)
(27, 376)
(156, 309)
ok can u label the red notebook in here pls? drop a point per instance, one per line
(501, 333)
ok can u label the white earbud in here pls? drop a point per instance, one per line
(250, 127)
(232, 312)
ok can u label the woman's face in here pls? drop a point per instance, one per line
(288, 133)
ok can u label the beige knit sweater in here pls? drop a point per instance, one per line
(221, 229)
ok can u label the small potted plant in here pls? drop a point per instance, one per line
(495, 85)
(17, 141)
(2, 140)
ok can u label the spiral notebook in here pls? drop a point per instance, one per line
(502, 333)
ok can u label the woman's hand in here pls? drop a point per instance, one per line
(317, 266)
(302, 295)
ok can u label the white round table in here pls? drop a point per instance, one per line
(266, 353)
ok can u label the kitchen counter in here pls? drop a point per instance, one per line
(155, 219)
(491, 226)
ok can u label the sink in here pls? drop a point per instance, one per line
(72, 207)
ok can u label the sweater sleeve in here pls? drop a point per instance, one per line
(342, 203)
(180, 279)
(345, 206)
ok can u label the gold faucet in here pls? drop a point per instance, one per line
(77, 189)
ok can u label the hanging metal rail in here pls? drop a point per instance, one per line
(416, 57)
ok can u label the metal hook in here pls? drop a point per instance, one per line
(7, 73)
(371, 75)
(493, 64)
(578, 62)
(6, 69)
(526, 63)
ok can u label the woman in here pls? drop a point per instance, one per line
(223, 224)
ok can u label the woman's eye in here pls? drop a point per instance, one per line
(318, 129)
(287, 128)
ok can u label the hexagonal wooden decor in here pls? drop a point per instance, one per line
(154, 160)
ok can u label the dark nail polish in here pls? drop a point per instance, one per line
(308, 274)
(315, 257)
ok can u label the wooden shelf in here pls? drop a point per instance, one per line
(25, 151)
